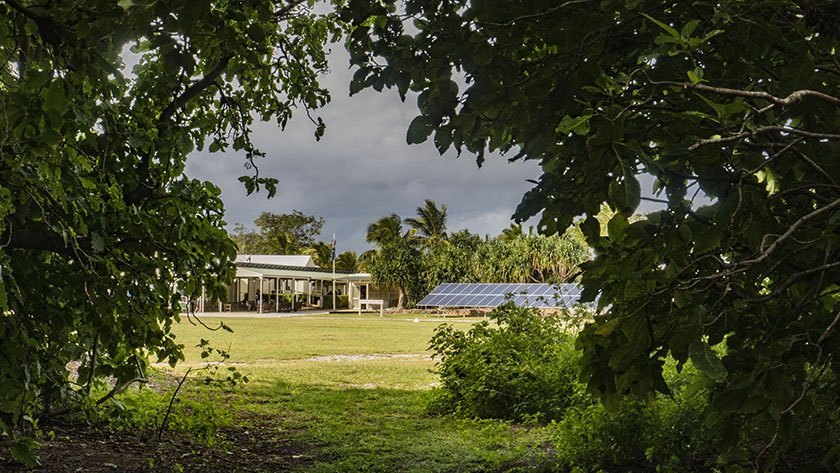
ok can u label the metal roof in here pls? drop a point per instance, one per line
(246, 269)
(283, 260)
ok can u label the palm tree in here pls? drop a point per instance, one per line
(430, 223)
(347, 261)
(512, 232)
(384, 230)
(321, 252)
(393, 261)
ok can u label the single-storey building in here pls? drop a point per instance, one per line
(279, 283)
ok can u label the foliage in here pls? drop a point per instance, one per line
(397, 264)
(522, 366)
(729, 100)
(396, 260)
(451, 262)
(430, 224)
(464, 257)
(321, 253)
(530, 258)
(201, 416)
(667, 435)
(279, 234)
(100, 228)
(348, 261)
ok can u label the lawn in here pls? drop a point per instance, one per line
(353, 391)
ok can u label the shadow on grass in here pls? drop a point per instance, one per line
(354, 429)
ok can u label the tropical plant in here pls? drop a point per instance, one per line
(530, 259)
(321, 253)
(452, 262)
(430, 224)
(396, 260)
(347, 261)
(513, 232)
(385, 230)
(732, 100)
(518, 365)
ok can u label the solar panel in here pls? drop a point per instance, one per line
(494, 294)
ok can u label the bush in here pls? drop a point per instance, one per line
(522, 366)
(666, 435)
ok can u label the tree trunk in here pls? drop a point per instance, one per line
(401, 299)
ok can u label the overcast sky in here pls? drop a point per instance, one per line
(362, 169)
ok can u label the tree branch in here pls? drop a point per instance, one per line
(120, 389)
(791, 99)
(764, 129)
(193, 90)
(551, 10)
(16, 5)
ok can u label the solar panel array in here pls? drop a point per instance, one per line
(541, 296)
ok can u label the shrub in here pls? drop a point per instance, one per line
(518, 366)
(664, 436)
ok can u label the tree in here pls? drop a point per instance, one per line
(101, 230)
(321, 252)
(301, 228)
(396, 260)
(452, 262)
(430, 224)
(279, 234)
(735, 101)
(347, 261)
(530, 258)
(385, 230)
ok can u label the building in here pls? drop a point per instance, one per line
(280, 283)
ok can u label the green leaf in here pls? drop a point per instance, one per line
(669, 29)
(707, 361)
(607, 328)
(577, 125)
(55, 98)
(97, 242)
(616, 227)
(24, 451)
(625, 193)
(418, 130)
(693, 77)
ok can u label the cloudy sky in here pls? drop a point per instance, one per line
(363, 169)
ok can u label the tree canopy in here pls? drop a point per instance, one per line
(100, 229)
(732, 102)
(280, 234)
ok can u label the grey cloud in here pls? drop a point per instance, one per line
(362, 169)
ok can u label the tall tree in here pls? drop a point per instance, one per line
(430, 223)
(321, 252)
(396, 260)
(301, 228)
(279, 234)
(452, 262)
(385, 230)
(733, 100)
(100, 227)
(347, 261)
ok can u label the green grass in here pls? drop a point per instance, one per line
(274, 339)
(354, 389)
